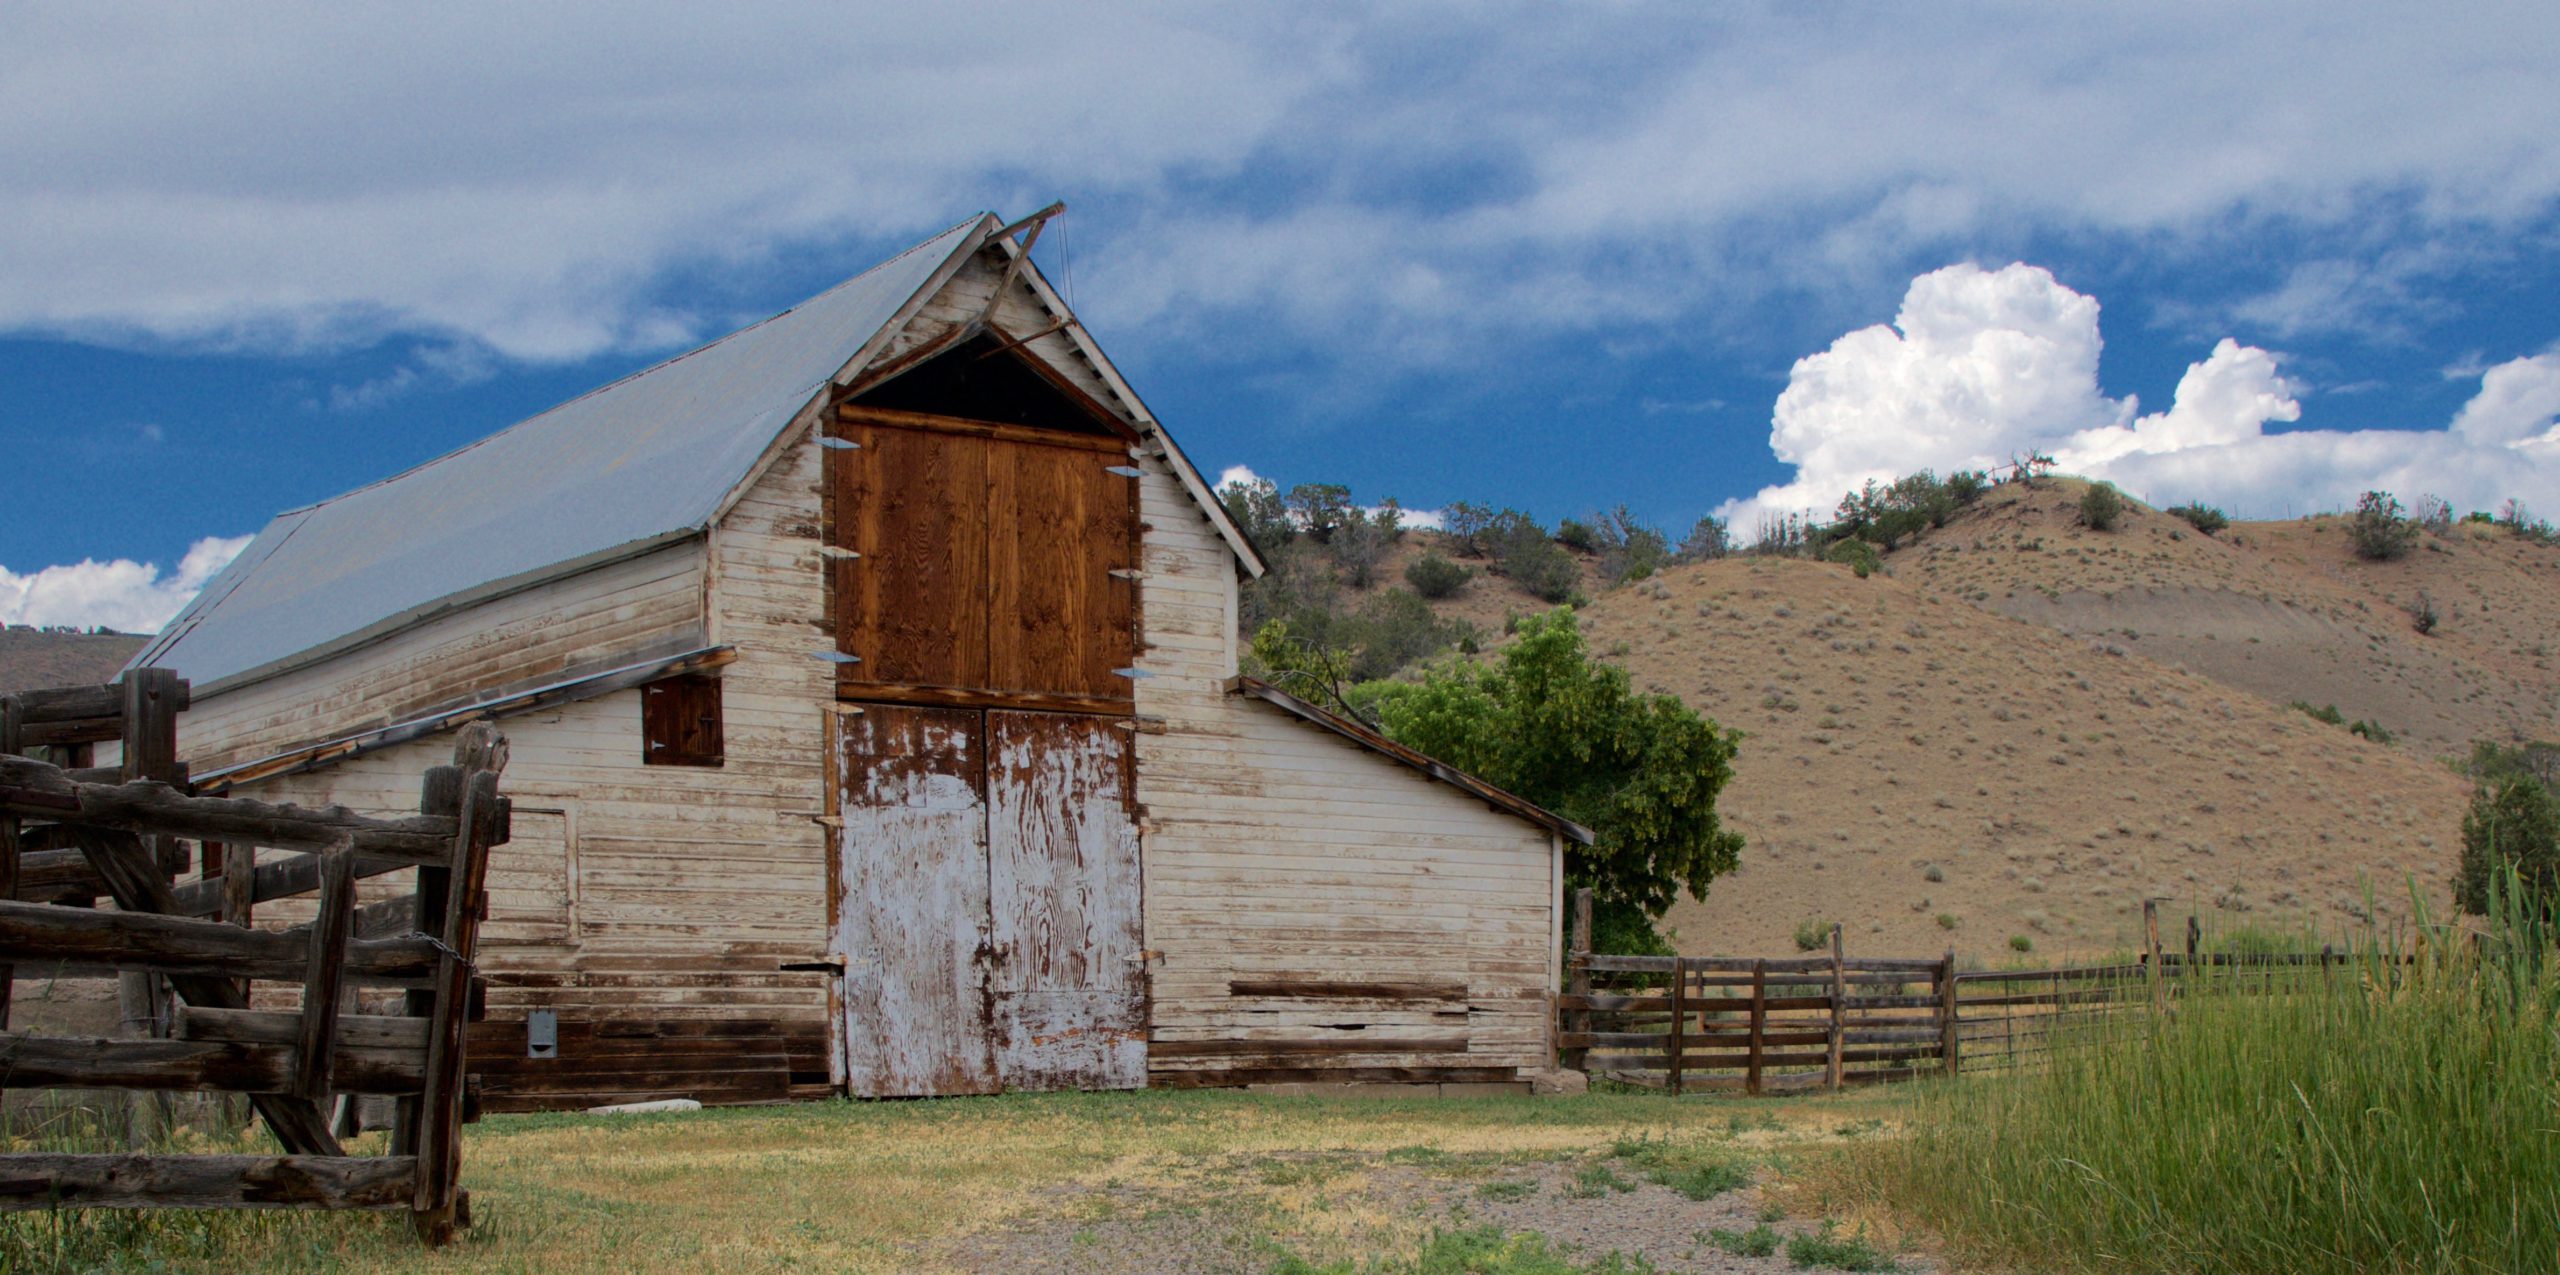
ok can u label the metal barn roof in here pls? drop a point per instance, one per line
(645, 460)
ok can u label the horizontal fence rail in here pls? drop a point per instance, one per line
(207, 986)
(1778, 1024)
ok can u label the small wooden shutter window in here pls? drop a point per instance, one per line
(680, 721)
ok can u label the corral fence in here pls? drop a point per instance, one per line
(74, 835)
(1824, 1022)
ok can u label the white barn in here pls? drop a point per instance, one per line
(871, 676)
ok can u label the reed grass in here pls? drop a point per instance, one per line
(2398, 1111)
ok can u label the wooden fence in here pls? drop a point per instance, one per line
(70, 836)
(1764, 1025)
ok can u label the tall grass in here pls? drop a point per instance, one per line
(2400, 1112)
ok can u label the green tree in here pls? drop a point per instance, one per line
(2513, 822)
(1546, 721)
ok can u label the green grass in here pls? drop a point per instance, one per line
(1759, 1241)
(1827, 1250)
(2387, 1117)
(1689, 1169)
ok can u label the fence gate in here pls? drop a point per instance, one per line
(69, 837)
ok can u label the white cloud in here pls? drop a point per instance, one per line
(528, 177)
(1982, 366)
(128, 596)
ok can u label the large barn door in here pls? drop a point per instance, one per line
(912, 905)
(1070, 1012)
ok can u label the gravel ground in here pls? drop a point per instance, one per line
(1242, 1219)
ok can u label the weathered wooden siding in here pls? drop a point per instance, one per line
(649, 906)
(1317, 909)
(614, 615)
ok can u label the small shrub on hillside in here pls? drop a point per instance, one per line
(1258, 510)
(1522, 550)
(2370, 730)
(2204, 518)
(1859, 556)
(2021, 943)
(1708, 539)
(1812, 933)
(1966, 486)
(1434, 576)
(2329, 714)
(1629, 550)
(2435, 515)
(1785, 536)
(1933, 874)
(1319, 509)
(1573, 533)
(2101, 507)
(1948, 921)
(2422, 614)
(2378, 529)
(2513, 824)
(1466, 523)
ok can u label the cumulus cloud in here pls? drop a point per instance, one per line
(1981, 367)
(127, 596)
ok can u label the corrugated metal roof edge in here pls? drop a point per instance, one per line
(459, 600)
(1500, 799)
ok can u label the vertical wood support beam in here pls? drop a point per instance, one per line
(438, 1207)
(440, 793)
(1947, 1012)
(1679, 1060)
(1578, 976)
(1759, 1022)
(324, 977)
(1839, 1006)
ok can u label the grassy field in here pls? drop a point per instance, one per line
(1242, 1182)
(2391, 1116)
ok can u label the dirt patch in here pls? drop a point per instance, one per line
(1333, 1209)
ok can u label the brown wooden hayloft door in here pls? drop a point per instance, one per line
(988, 902)
(978, 568)
(911, 916)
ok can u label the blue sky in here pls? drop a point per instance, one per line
(1695, 260)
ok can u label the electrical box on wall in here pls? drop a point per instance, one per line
(542, 1034)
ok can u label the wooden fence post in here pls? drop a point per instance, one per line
(1759, 1021)
(1679, 1025)
(1947, 1012)
(1578, 978)
(150, 700)
(1839, 998)
(2151, 954)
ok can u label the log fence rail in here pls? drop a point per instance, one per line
(190, 962)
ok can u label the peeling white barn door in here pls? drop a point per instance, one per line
(1070, 1010)
(911, 920)
(987, 907)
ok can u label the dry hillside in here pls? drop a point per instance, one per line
(2057, 723)
(31, 658)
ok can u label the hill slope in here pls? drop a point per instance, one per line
(2061, 722)
(2051, 782)
(31, 658)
